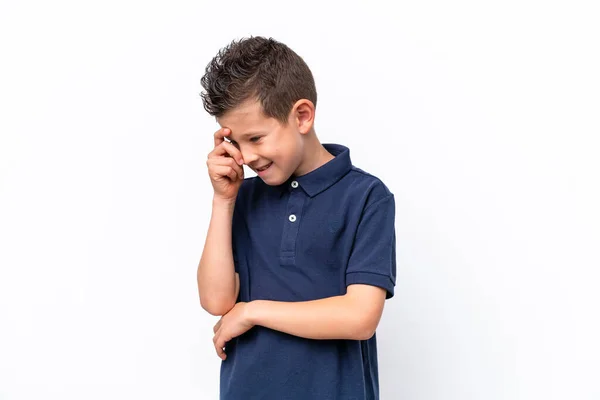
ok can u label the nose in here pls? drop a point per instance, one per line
(249, 156)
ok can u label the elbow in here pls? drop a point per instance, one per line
(365, 305)
(364, 334)
(365, 328)
(216, 307)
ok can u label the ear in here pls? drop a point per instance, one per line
(303, 115)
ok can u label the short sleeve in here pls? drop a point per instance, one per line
(373, 257)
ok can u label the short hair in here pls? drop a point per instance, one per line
(261, 69)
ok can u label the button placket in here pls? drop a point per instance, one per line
(291, 226)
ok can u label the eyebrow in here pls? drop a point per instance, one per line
(246, 134)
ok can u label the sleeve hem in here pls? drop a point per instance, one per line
(374, 279)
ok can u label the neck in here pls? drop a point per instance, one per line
(315, 155)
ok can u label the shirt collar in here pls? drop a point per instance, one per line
(326, 175)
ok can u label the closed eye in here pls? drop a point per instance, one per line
(255, 139)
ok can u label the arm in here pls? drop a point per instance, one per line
(354, 315)
(370, 279)
(218, 284)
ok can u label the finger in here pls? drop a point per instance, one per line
(220, 347)
(226, 149)
(226, 162)
(217, 326)
(220, 134)
(221, 170)
(222, 165)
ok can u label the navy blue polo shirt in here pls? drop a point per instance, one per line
(306, 239)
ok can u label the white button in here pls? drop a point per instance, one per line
(294, 184)
(292, 218)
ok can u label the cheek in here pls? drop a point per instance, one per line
(285, 154)
(275, 154)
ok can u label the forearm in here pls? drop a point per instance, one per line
(338, 317)
(216, 272)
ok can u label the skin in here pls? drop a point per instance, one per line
(248, 137)
(293, 148)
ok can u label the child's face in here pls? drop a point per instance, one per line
(264, 141)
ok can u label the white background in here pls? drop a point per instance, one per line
(481, 117)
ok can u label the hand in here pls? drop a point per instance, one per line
(231, 325)
(225, 167)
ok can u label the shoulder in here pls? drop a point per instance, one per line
(242, 203)
(249, 189)
(247, 186)
(368, 186)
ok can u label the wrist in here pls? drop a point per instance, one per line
(220, 202)
(253, 312)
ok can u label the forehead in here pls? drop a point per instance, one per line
(245, 117)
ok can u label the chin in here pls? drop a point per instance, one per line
(274, 180)
(271, 181)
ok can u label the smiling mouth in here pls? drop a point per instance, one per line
(264, 168)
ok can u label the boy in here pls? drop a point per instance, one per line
(298, 260)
